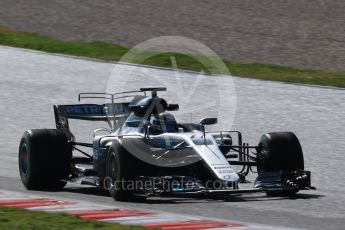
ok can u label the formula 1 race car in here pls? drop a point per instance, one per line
(146, 152)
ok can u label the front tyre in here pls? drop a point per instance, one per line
(118, 174)
(280, 151)
(44, 159)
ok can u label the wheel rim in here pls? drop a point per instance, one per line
(23, 160)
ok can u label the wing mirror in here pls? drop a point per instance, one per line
(208, 121)
(133, 124)
(137, 123)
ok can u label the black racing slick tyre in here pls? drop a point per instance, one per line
(280, 151)
(118, 174)
(44, 159)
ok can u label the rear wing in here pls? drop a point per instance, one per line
(89, 112)
(109, 112)
(94, 112)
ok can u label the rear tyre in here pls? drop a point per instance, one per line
(280, 151)
(44, 159)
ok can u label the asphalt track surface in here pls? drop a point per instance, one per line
(305, 33)
(32, 82)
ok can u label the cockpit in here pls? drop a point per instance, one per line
(163, 123)
(150, 115)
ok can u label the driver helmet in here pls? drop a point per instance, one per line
(163, 123)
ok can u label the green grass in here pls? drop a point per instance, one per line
(18, 219)
(111, 52)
